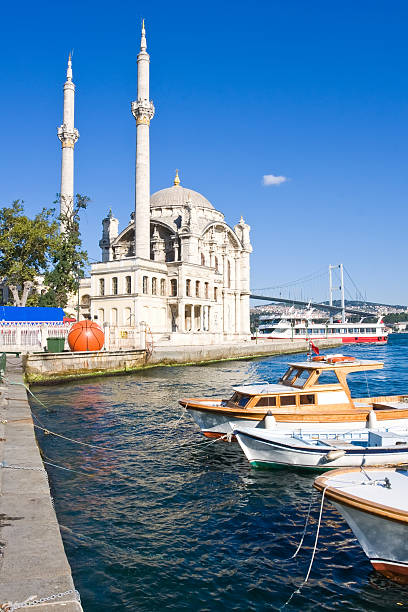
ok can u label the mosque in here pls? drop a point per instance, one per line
(177, 266)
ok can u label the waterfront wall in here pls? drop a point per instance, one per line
(244, 350)
(51, 367)
(56, 367)
(32, 556)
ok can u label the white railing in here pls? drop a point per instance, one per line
(26, 337)
(123, 337)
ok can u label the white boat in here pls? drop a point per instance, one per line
(310, 325)
(265, 448)
(311, 396)
(374, 502)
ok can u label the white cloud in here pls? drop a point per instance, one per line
(271, 179)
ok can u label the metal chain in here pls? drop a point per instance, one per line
(20, 467)
(10, 607)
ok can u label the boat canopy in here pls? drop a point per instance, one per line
(338, 362)
(305, 375)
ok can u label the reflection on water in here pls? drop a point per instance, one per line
(169, 520)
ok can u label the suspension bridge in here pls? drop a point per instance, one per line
(297, 286)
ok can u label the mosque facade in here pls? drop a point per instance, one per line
(177, 266)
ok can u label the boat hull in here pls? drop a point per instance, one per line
(284, 451)
(384, 541)
(215, 422)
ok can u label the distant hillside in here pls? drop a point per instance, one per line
(360, 304)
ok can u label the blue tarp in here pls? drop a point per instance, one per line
(32, 314)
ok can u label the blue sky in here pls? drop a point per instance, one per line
(315, 92)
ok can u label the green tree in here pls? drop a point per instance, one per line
(24, 248)
(68, 259)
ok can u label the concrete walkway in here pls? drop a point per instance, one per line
(32, 556)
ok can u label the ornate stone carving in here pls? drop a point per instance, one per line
(67, 137)
(143, 111)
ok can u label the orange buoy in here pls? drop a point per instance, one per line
(86, 336)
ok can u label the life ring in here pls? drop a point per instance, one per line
(340, 359)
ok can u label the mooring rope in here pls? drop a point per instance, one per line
(303, 534)
(298, 589)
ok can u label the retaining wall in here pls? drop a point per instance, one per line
(46, 368)
(245, 350)
(54, 367)
(32, 556)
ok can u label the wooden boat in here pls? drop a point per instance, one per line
(374, 502)
(311, 396)
(267, 449)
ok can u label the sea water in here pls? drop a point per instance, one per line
(157, 517)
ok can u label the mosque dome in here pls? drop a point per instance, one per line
(178, 196)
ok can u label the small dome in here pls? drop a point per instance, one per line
(178, 196)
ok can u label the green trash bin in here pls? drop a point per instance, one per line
(55, 345)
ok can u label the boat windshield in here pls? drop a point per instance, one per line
(295, 377)
(327, 377)
(240, 399)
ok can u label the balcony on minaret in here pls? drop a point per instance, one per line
(143, 111)
(110, 231)
(67, 137)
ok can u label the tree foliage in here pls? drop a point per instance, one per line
(68, 259)
(25, 245)
(396, 317)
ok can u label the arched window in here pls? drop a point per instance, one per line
(127, 316)
(188, 287)
(85, 301)
(216, 264)
(144, 284)
(114, 285)
(173, 287)
(215, 294)
(101, 316)
(197, 289)
(154, 286)
(206, 290)
(114, 316)
(101, 286)
(162, 286)
(128, 284)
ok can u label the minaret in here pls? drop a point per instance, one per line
(68, 136)
(143, 111)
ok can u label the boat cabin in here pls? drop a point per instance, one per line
(321, 381)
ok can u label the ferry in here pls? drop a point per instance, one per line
(310, 326)
(311, 396)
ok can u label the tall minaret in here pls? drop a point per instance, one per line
(68, 136)
(143, 111)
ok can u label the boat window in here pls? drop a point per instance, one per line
(307, 399)
(266, 401)
(290, 375)
(295, 377)
(286, 375)
(288, 400)
(243, 400)
(328, 377)
(301, 379)
(240, 399)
